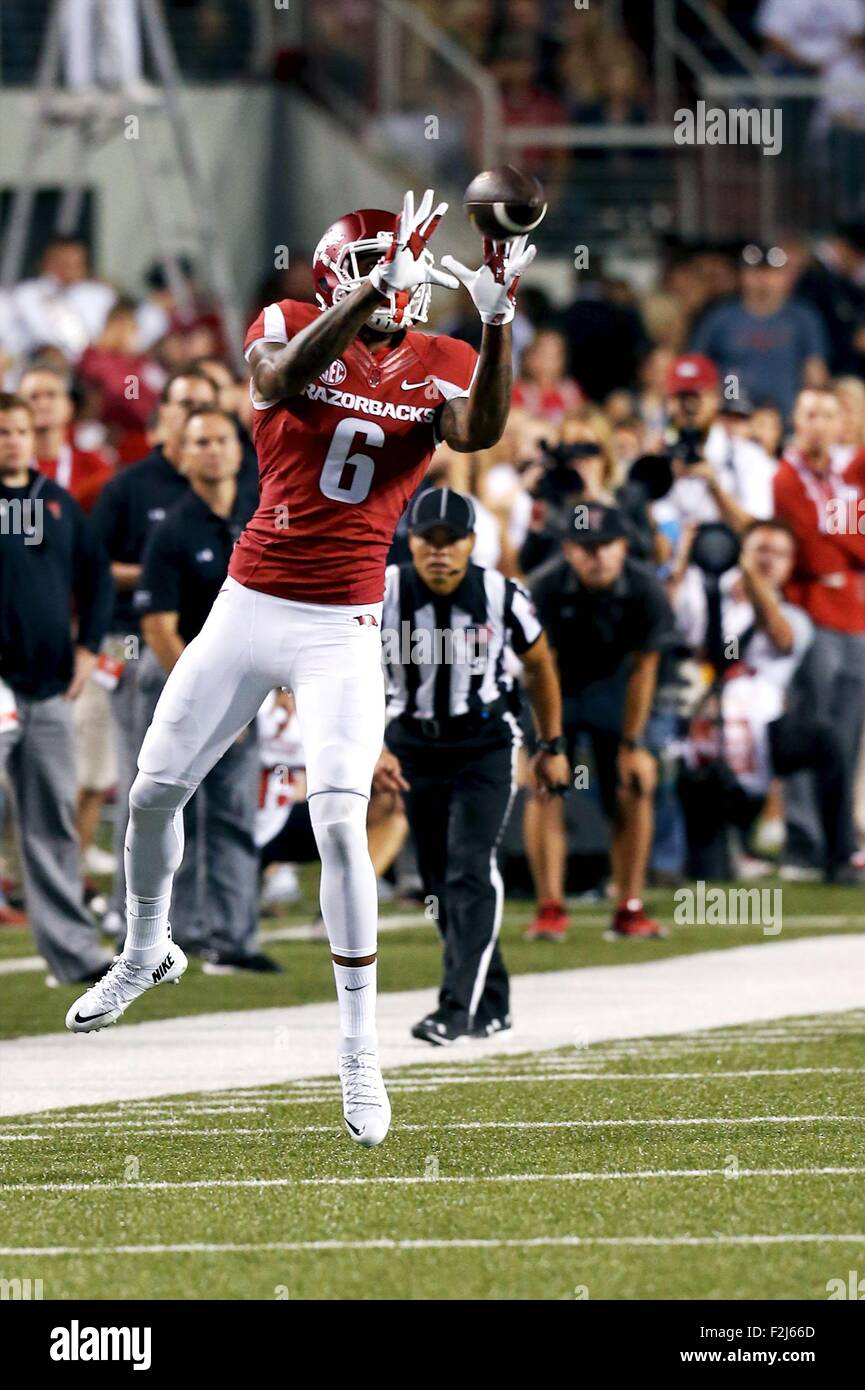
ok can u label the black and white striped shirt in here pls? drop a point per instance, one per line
(446, 656)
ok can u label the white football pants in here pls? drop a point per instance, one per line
(251, 643)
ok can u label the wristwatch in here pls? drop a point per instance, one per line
(632, 743)
(552, 745)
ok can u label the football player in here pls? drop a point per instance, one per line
(350, 402)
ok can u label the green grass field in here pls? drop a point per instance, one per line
(604, 1172)
(726, 1163)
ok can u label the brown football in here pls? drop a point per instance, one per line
(504, 202)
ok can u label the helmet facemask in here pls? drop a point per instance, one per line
(401, 309)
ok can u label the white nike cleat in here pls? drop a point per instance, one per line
(111, 996)
(365, 1104)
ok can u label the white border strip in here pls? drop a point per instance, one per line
(423, 1180)
(435, 1243)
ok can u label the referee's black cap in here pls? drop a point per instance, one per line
(441, 506)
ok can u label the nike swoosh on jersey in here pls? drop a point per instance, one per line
(414, 385)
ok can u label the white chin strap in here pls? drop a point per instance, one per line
(386, 318)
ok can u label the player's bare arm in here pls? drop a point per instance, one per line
(280, 371)
(478, 421)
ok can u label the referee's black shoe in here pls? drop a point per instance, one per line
(446, 1026)
(442, 1027)
(491, 1026)
(230, 962)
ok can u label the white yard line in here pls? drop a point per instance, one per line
(227, 1051)
(22, 965)
(328, 1093)
(425, 1180)
(434, 1243)
(169, 1129)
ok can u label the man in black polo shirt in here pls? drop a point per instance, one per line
(214, 909)
(50, 564)
(126, 511)
(448, 628)
(608, 621)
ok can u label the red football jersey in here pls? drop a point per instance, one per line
(338, 462)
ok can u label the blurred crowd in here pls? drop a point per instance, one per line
(558, 63)
(725, 406)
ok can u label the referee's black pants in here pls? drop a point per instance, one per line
(457, 806)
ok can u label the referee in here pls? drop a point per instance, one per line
(449, 633)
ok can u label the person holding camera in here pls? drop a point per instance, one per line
(608, 621)
(718, 475)
(745, 730)
(582, 467)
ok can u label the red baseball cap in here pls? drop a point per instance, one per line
(692, 372)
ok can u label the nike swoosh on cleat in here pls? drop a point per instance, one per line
(358, 1132)
(88, 1018)
(353, 989)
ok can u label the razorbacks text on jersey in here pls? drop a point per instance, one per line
(339, 462)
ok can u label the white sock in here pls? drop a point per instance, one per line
(355, 993)
(147, 931)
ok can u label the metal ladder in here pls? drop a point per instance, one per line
(94, 120)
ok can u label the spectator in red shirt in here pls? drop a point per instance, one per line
(46, 391)
(813, 495)
(123, 384)
(544, 387)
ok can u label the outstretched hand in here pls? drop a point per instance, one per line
(493, 286)
(408, 262)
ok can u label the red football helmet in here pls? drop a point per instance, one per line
(335, 270)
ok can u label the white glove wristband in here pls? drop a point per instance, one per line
(501, 318)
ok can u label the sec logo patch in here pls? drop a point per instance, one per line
(335, 374)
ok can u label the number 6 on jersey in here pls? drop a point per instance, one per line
(347, 477)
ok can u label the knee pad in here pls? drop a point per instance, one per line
(342, 767)
(154, 838)
(146, 794)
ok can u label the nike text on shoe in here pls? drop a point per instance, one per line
(111, 996)
(365, 1104)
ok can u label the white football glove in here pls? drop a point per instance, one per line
(493, 286)
(408, 263)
